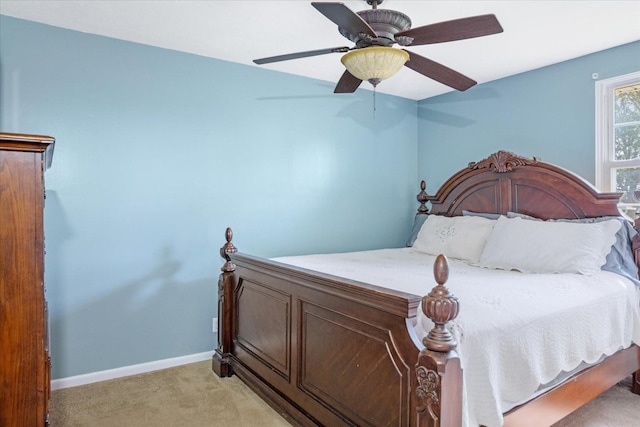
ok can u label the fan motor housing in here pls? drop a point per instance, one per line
(385, 22)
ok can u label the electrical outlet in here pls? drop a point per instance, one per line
(215, 325)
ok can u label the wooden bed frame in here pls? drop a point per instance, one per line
(323, 350)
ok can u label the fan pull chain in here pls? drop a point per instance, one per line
(374, 103)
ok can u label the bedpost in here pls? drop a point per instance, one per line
(226, 286)
(438, 371)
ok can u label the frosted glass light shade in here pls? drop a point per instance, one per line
(375, 63)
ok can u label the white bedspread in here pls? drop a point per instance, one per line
(515, 331)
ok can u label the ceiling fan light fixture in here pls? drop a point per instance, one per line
(375, 63)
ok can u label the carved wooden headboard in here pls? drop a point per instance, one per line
(505, 182)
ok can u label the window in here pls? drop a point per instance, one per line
(618, 139)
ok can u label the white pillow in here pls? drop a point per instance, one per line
(549, 247)
(460, 237)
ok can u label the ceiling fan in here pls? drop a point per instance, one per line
(375, 30)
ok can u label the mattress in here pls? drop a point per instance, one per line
(516, 332)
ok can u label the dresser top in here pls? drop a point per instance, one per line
(26, 142)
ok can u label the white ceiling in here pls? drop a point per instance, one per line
(536, 33)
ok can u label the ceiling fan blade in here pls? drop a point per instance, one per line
(345, 18)
(439, 72)
(457, 29)
(348, 83)
(300, 55)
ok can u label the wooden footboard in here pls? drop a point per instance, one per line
(324, 351)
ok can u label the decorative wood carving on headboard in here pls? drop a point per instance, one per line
(502, 161)
(505, 182)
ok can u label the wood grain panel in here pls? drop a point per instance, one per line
(340, 376)
(527, 199)
(264, 328)
(20, 261)
(484, 196)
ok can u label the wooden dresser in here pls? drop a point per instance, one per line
(24, 348)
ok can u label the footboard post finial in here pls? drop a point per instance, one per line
(423, 198)
(227, 249)
(441, 307)
(438, 372)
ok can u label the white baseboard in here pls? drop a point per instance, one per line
(125, 371)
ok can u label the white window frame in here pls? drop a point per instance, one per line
(605, 137)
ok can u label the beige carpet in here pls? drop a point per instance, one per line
(192, 396)
(186, 396)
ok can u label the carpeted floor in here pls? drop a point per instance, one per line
(192, 396)
(185, 396)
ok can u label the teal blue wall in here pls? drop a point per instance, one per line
(548, 113)
(158, 151)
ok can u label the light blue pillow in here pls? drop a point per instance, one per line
(620, 259)
(417, 225)
(481, 214)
